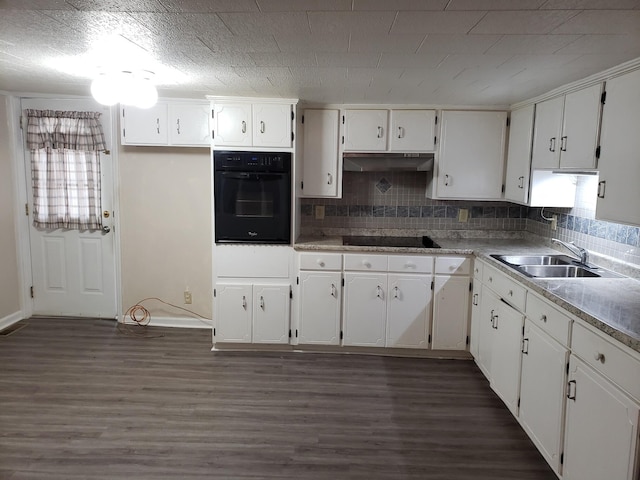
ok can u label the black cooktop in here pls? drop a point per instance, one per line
(374, 241)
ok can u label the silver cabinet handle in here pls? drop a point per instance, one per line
(380, 132)
(599, 357)
(178, 126)
(570, 395)
(320, 263)
(602, 186)
(261, 126)
(379, 292)
(511, 293)
(494, 322)
(158, 125)
(474, 301)
(244, 127)
(543, 318)
(244, 302)
(106, 229)
(563, 144)
(329, 179)
(521, 182)
(446, 180)
(552, 144)
(525, 346)
(396, 292)
(368, 265)
(261, 302)
(334, 290)
(400, 132)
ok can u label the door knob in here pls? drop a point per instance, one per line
(106, 229)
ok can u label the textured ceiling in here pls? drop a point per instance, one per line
(464, 52)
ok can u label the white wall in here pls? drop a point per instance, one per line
(9, 279)
(165, 222)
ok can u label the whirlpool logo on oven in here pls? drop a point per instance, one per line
(253, 234)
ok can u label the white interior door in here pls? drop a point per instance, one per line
(73, 272)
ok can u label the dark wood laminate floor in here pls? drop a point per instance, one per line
(79, 400)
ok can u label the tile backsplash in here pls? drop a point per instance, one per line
(396, 201)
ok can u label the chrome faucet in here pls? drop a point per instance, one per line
(576, 250)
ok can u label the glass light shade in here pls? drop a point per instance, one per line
(128, 88)
(103, 91)
(146, 94)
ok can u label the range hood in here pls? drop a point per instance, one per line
(387, 162)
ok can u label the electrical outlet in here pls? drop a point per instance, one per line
(554, 222)
(187, 297)
(463, 215)
(319, 212)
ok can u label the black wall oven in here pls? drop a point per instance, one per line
(252, 197)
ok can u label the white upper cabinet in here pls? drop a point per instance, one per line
(243, 124)
(619, 165)
(167, 123)
(519, 155)
(321, 160)
(412, 130)
(566, 130)
(365, 130)
(146, 126)
(471, 159)
(189, 124)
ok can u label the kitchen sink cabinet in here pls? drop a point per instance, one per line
(619, 164)
(408, 311)
(252, 313)
(542, 388)
(321, 162)
(566, 130)
(365, 309)
(451, 303)
(471, 156)
(167, 123)
(320, 302)
(365, 130)
(242, 124)
(519, 155)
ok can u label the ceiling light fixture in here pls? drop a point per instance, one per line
(133, 88)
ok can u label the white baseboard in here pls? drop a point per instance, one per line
(11, 319)
(175, 322)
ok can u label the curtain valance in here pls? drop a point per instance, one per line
(53, 129)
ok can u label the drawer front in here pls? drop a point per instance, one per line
(320, 261)
(607, 358)
(478, 267)
(508, 289)
(365, 263)
(410, 264)
(453, 265)
(549, 318)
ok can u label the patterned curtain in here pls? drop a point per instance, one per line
(65, 166)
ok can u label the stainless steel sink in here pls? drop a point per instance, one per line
(536, 259)
(557, 271)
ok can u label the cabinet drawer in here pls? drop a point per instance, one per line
(508, 289)
(320, 261)
(478, 267)
(453, 265)
(607, 358)
(548, 318)
(406, 264)
(365, 263)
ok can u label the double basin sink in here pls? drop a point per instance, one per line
(553, 266)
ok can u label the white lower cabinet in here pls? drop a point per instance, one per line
(319, 321)
(408, 311)
(252, 313)
(542, 387)
(365, 309)
(601, 438)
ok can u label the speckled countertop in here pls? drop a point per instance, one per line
(610, 304)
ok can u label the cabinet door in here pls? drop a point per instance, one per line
(471, 163)
(450, 312)
(272, 123)
(580, 124)
(412, 130)
(519, 155)
(542, 392)
(488, 309)
(146, 126)
(271, 307)
(505, 355)
(365, 130)
(233, 313)
(232, 125)
(365, 309)
(320, 174)
(320, 308)
(547, 133)
(476, 318)
(408, 311)
(601, 432)
(189, 124)
(619, 164)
